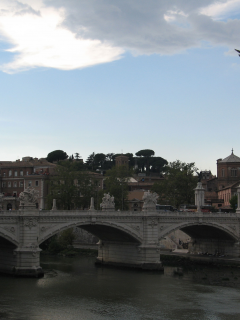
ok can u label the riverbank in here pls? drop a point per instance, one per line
(188, 260)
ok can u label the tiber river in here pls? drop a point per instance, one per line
(75, 289)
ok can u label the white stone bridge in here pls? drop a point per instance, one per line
(126, 238)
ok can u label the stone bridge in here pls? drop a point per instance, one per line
(126, 238)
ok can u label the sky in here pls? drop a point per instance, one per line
(109, 76)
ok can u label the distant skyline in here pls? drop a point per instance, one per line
(120, 76)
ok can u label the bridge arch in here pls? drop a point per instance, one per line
(211, 230)
(7, 236)
(106, 231)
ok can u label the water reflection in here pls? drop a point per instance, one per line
(73, 288)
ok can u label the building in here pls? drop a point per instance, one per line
(17, 175)
(220, 189)
(121, 161)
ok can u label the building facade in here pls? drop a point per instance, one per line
(220, 189)
(16, 176)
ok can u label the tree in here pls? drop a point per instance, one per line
(146, 153)
(157, 164)
(77, 156)
(116, 183)
(177, 187)
(70, 187)
(144, 160)
(57, 155)
(90, 161)
(99, 160)
(234, 202)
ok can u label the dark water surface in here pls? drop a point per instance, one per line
(73, 289)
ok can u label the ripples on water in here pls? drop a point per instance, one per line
(73, 289)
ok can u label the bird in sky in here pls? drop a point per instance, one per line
(238, 52)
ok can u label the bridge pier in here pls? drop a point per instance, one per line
(129, 255)
(27, 262)
(19, 261)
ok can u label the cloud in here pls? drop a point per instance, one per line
(148, 27)
(80, 33)
(38, 39)
(219, 10)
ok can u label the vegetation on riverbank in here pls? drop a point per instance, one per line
(62, 244)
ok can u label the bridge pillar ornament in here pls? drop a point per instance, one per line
(28, 199)
(92, 204)
(108, 203)
(54, 207)
(199, 196)
(150, 201)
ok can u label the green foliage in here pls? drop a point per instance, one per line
(233, 202)
(157, 164)
(59, 243)
(99, 160)
(116, 183)
(77, 156)
(177, 187)
(71, 186)
(146, 153)
(57, 155)
(144, 160)
(66, 237)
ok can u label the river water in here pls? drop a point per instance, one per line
(74, 288)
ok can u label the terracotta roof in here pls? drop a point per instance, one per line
(235, 184)
(24, 164)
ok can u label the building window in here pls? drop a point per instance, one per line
(10, 173)
(29, 183)
(4, 174)
(36, 183)
(15, 173)
(4, 184)
(9, 184)
(233, 172)
(15, 184)
(27, 173)
(21, 173)
(223, 172)
(20, 184)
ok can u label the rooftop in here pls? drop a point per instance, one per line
(231, 158)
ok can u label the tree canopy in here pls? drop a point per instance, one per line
(116, 183)
(57, 155)
(71, 186)
(177, 187)
(145, 153)
(234, 202)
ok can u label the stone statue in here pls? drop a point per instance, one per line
(28, 198)
(150, 201)
(199, 176)
(107, 202)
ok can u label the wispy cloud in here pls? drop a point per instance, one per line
(38, 39)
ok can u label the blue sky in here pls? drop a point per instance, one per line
(120, 76)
